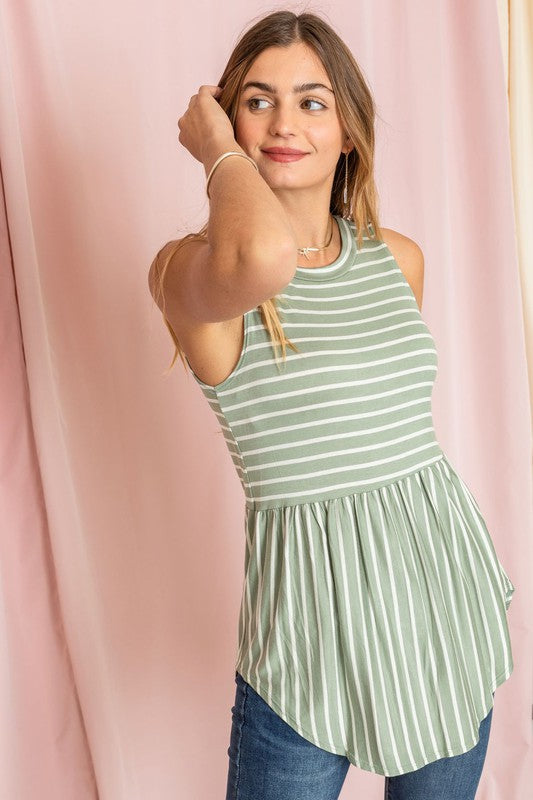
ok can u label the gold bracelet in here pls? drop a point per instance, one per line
(219, 159)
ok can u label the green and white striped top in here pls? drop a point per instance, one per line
(373, 613)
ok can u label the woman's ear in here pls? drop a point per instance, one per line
(348, 146)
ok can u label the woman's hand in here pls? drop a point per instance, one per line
(204, 121)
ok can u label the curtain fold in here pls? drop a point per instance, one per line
(42, 730)
(516, 27)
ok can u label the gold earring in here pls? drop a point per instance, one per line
(346, 214)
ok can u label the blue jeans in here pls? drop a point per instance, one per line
(269, 760)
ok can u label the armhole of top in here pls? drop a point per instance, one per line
(238, 365)
(400, 272)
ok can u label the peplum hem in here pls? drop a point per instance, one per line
(456, 749)
(375, 623)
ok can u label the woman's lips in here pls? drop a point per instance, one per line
(284, 156)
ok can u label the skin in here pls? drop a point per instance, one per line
(307, 121)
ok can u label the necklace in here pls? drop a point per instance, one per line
(306, 250)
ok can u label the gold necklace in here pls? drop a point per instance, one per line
(305, 250)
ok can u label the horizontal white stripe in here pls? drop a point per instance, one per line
(329, 338)
(333, 298)
(335, 311)
(379, 482)
(353, 322)
(326, 387)
(298, 410)
(333, 456)
(336, 437)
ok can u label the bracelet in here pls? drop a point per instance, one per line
(219, 159)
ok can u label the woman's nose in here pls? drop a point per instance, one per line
(282, 121)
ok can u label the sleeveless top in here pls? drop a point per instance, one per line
(373, 611)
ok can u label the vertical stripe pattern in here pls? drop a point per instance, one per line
(373, 611)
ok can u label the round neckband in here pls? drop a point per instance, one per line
(341, 263)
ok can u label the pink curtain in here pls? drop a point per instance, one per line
(122, 519)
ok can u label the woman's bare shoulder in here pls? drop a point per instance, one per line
(410, 258)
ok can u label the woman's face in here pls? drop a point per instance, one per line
(278, 116)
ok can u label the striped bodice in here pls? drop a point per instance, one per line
(352, 410)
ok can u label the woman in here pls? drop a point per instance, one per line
(373, 625)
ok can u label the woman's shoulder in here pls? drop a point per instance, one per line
(409, 257)
(400, 242)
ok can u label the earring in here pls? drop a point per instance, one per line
(345, 194)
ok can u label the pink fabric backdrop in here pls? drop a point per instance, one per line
(122, 538)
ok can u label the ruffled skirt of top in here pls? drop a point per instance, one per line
(375, 623)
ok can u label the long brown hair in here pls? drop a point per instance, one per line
(357, 113)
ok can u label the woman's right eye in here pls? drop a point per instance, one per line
(255, 100)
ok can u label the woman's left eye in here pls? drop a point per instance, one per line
(262, 100)
(310, 100)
